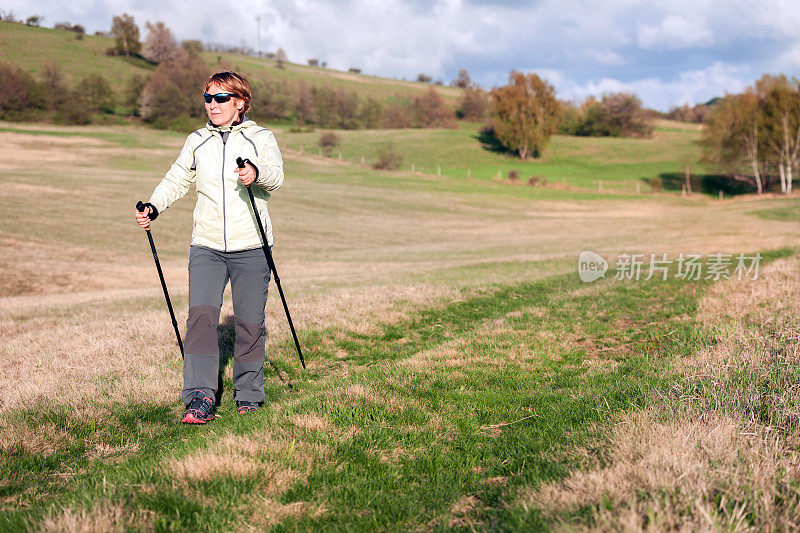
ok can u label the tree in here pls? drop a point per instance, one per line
(525, 113)
(313, 62)
(126, 33)
(731, 137)
(781, 125)
(34, 20)
(424, 78)
(281, 57)
(160, 44)
(463, 80)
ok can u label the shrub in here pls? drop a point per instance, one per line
(424, 78)
(172, 91)
(271, 101)
(327, 141)
(533, 181)
(430, 111)
(97, 92)
(54, 90)
(388, 158)
(19, 94)
(354, 70)
(655, 183)
(313, 62)
(474, 105)
(396, 116)
(513, 176)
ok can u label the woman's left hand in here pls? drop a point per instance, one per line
(247, 175)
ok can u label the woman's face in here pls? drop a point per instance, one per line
(225, 113)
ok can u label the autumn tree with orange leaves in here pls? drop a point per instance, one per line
(525, 113)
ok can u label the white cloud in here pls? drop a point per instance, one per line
(675, 32)
(691, 86)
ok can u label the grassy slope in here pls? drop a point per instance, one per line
(578, 161)
(32, 48)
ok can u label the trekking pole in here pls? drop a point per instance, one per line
(140, 208)
(268, 254)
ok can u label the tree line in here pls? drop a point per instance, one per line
(754, 136)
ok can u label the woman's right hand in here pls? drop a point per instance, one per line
(143, 217)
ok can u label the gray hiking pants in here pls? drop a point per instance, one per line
(209, 271)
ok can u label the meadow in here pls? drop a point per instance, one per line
(460, 375)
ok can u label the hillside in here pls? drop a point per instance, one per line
(33, 47)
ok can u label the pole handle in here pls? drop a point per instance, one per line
(140, 208)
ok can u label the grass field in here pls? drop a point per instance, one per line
(580, 162)
(460, 375)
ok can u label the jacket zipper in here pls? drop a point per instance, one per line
(224, 219)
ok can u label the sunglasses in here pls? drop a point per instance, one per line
(219, 98)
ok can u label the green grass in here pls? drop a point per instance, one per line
(576, 161)
(784, 211)
(569, 404)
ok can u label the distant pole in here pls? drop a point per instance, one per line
(720, 195)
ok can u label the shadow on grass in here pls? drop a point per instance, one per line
(712, 183)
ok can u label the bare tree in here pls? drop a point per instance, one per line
(160, 45)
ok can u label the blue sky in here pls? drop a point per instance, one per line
(667, 52)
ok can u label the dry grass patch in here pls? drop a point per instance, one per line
(463, 513)
(721, 451)
(277, 463)
(103, 517)
(39, 439)
(667, 472)
(268, 512)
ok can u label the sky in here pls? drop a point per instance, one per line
(668, 52)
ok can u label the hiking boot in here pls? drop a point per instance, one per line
(243, 407)
(200, 410)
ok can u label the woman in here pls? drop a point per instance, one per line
(225, 242)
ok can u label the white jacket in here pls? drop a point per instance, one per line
(223, 218)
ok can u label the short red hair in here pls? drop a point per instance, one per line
(233, 83)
